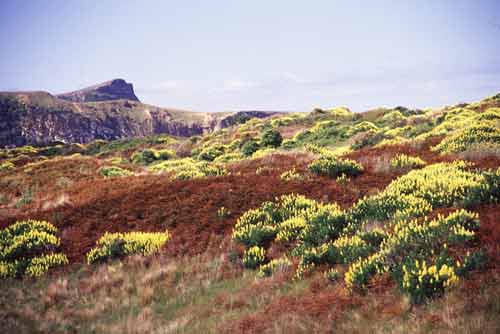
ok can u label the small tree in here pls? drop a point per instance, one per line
(272, 138)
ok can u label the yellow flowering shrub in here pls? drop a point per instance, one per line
(114, 245)
(291, 175)
(462, 140)
(380, 232)
(27, 248)
(114, 171)
(361, 270)
(254, 257)
(422, 280)
(229, 157)
(6, 165)
(188, 168)
(277, 265)
(403, 161)
(420, 191)
(334, 167)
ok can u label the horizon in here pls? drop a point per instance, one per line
(226, 56)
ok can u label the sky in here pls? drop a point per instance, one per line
(266, 55)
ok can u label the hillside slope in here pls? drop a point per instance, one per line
(323, 222)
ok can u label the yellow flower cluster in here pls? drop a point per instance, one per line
(114, 171)
(403, 161)
(112, 245)
(291, 228)
(477, 133)
(421, 280)
(23, 248)
(291, 175)
(360, 271)
(254, 257)
(188, 168)
(40, 265)
(332, 167)
(276, 265)
(6, 165)
(441, 184)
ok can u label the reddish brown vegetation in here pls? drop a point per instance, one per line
(188, 209)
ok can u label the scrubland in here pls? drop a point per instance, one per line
(330, 221)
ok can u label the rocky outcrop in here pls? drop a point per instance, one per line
(38, 118)
(117, 89)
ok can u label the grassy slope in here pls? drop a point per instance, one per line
(197, 284)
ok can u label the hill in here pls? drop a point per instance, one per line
(328, 221)
(107, 111)
(116, 89)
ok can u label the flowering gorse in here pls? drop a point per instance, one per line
(28, 248)
(333, 167)
(403, 161)
(114, 245)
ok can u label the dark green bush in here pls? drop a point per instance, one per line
(271, 138)
(249, 147)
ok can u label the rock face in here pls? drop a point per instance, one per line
(38, 118)
(107, 91)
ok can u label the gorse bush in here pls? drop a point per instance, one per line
(403, 161)
(323, 235)
(254, 257)
(420, 191)
(333, 167)
(188, 168)
(6, 165)
(229, 157)
(464, 139)
(421, 280)
(29, 248)
(274, 266)
(291, 175)
(116, 245)
(114, 171)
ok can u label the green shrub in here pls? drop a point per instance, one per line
(249, 147)
(149, 156)
(116, 245)
(28, 248)
(211, 152)
(333, 167)
(271, 138)
(114, 171)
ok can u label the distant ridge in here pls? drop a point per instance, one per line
(116, 89)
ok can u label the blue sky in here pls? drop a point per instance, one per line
(270, 55)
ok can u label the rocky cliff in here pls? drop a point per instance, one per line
(39, 118)
(107, 91)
